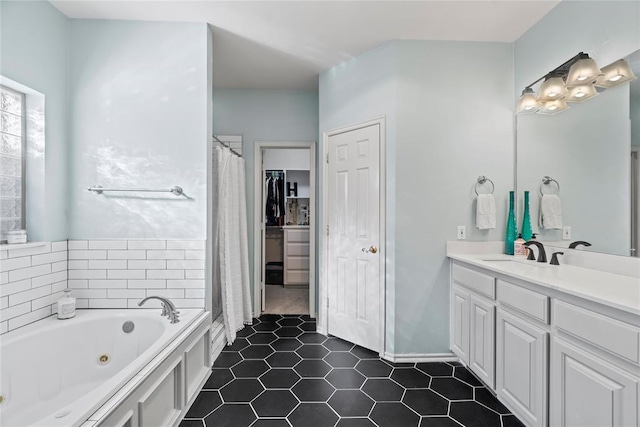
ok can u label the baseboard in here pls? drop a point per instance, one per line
(420, 358)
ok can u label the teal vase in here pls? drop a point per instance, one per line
(527, 231)
(512, 232)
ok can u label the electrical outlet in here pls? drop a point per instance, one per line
(566, 233)
(462, 232)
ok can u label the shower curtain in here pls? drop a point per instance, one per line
(230, 241)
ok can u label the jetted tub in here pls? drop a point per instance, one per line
(65, 372)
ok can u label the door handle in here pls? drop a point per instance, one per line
(372, 250)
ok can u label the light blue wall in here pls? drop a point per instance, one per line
(358, 90)
(263, 115)
(449, 119)
(454, 123)
(34, 52)
(590, 137)
(138, 118)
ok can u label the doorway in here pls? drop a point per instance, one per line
(284, 228)
(353, 273)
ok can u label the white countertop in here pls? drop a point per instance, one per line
(614, 290)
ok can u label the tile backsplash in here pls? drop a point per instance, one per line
(119, 273)
(101, 274)
(31, 281)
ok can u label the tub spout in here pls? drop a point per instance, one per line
(168, 308)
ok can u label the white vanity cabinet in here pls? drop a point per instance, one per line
(473, 321)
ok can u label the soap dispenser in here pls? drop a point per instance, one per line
(519, 248)
(66, 306)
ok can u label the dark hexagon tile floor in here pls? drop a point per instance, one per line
(280, 373)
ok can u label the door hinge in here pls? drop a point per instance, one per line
(327, 158)
(327, 229)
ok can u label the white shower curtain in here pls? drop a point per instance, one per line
(231, 247)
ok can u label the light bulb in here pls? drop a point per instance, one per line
(579, 94)
(615, 78)
(552, 108)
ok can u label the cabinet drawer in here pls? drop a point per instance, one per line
(299, 236)
(296, 277)
(297, 263)
(609, 334)
(479, 282)
(532, 303)
(297, 249)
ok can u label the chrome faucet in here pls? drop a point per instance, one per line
(542, 255)
(168, 308)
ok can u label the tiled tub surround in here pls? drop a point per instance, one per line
(31, 281)
(118, 273)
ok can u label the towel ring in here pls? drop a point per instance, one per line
(546, 181)
(482, 180)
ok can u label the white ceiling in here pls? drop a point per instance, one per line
(285, 44)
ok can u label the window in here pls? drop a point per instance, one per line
(12, 160)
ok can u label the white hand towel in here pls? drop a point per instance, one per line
(550, 212)
(485, 212)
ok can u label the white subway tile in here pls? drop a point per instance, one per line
(128, 274)
(194, 274)
(87, 274)
(80, 264)
(48, 279)
(89, 293)
(27, 273)
(108, 284)
(78, 244)
(80, 254)
(82, 303)
(107, 244)
(77, 284)
(189, 303)
(59, 246)
(191, 284)
(57, 287)
(21, 297)
(16, 310)
(15, 287)
(4, 277)
(158, 264)
(59, 266)
(150, 284)
(34, 316)
(126, 293)
(165, 274)
(107, 303)
(15, 263)
(151, 254)
(45, 301)
(4, 327)
(166, 293)
(193, 254)
(147, 244)
(127, 254)
(4, 254)
(48, 258)
(185, 244)
(194, 293)
(151, 304)
(43, 249)
(109, 264)
(186, 265)
(4, 302)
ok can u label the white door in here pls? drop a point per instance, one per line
(482, 338)
(263, 237)
(460, 323)
(354, 280)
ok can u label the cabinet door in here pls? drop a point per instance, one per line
(482, 339)
(586, 391)
(460, 323)
(521, 368)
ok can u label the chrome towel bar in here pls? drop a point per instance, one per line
(176, 191)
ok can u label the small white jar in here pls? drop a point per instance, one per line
(16, 236)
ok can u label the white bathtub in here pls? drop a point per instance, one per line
(53, 372)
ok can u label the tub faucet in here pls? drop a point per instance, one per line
(168, 308)
(542, 255)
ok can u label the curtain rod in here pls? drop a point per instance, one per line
(226, 146)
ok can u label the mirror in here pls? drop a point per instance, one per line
(587, 150)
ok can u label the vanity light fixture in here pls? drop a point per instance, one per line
(574, 81)
(615, 74)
